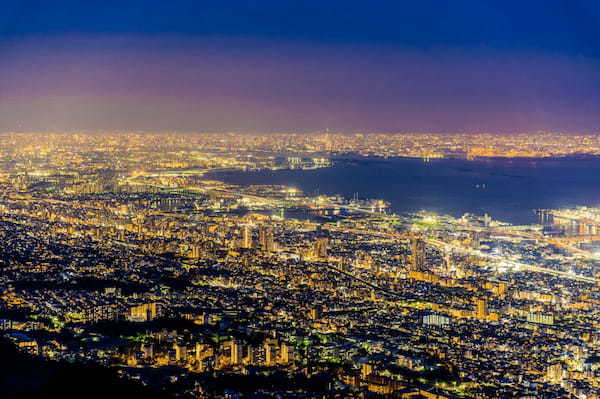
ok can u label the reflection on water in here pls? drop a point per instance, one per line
(508, 190)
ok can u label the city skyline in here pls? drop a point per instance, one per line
(187, 265)
(300, 199)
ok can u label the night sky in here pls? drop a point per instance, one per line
(392, 66)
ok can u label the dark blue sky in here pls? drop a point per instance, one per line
(300, 65)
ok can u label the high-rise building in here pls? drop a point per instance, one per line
(417, 246)
(236, 352)
(270, 354)
(201, 351)
(247, 237)
(287, 353)
(366, 370)
(144, 312)
(180, 352)
(315, 312)
(195, 252)
(448, 263)
(476, 239)
(250, 358)
(320, 247)
(481, 311)
(555, 373)
(265, 238)
(501, 289)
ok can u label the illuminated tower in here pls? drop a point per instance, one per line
(501, 289)
(555, 373)
(476, 239)
(320, 247)
(250, 359)
(236, 352)
(201, 352)
(265, 238)
(366, 370)
(144, 312)
(195, 252)
(481, 311)
(180, 352)
(417, 246)
(247, 237)
(448, 260)
(287, 353)
(270, 354)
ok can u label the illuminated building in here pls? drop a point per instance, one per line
(287, 354)
(247, 237)
(539, 318)
(555, 373)
(366, 370)
(270, 353)
(144, 312)
(320, 248)
(265, 238)
(315, 312)
(284, 292)
(435, 319)
(236, 352)
(481, 311)
(417, 255)
(202, 351)
(148, 351)
(195, 252)
(180, 352)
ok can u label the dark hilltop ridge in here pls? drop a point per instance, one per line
(25, 377)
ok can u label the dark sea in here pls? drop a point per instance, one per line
(507, 189)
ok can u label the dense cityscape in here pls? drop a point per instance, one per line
(418, 145)
(306, 199)
(121, 250)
